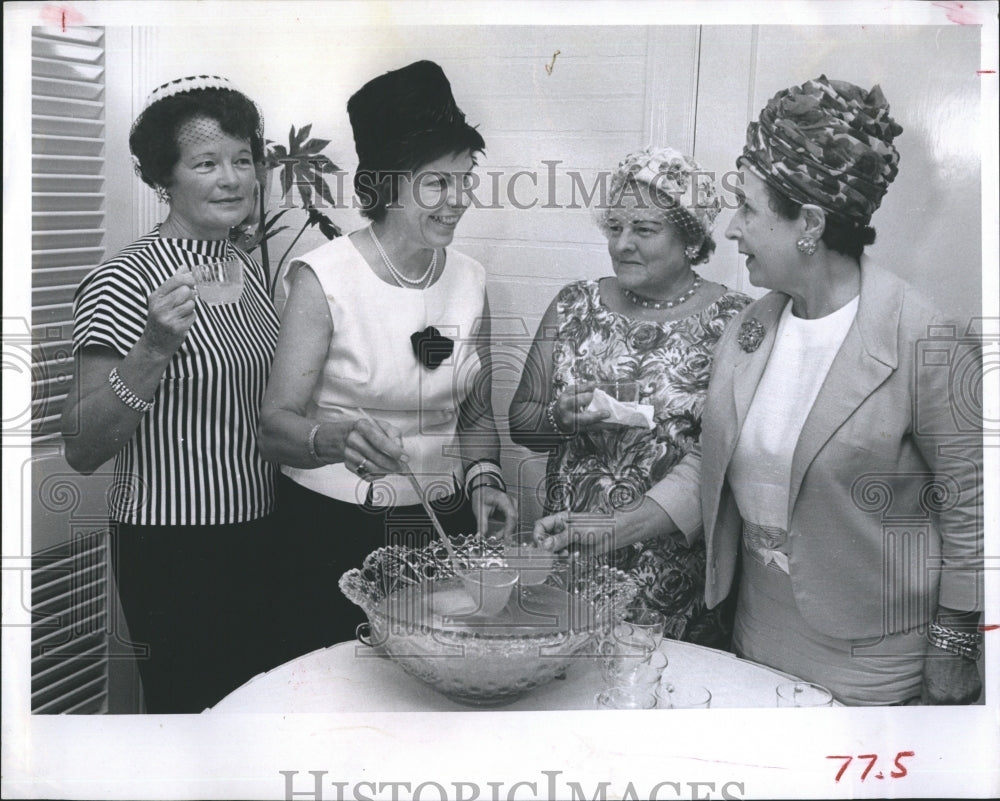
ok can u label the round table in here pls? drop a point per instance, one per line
(352, 677)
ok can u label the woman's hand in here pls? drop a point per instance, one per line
(171, 313)
(560, 532)
(569, 410)
(552, 533)
(370, 448)
(489, 502)
(949, 679)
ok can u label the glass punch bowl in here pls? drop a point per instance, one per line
(419, 617)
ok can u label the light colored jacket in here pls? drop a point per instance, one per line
(885, 506)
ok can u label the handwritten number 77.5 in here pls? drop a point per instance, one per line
(898, 773)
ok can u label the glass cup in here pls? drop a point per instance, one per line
(220, 281)
(629, 658)
(623, 390)
(633, 674)
(683, 696)
(532, 563)
(802, 693)
(626, 698)
(489, 588)
(648, 622)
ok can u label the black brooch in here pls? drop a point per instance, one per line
(431, 347)
(751, 335)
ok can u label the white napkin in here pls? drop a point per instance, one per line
(625, 414)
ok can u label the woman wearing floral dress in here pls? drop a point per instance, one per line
(656, 323)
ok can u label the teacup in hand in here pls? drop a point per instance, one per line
(219, 281)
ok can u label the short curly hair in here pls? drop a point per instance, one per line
(153, 139)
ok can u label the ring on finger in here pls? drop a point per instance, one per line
(362, 466)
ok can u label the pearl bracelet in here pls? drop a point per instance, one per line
(550, 414)
(126, 395)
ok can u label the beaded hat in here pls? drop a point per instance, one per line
(160, 127)
(684, 192)
(188, 84)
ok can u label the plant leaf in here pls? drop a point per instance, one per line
(327, 227)
(274, 218)
(303, 133)
(324, 190)
(304, 185)
(286, 178)
(323, 164)
(314, 146)
(275, 232)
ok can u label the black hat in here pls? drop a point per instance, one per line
(399, 115)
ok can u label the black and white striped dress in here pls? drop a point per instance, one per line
(193, 460)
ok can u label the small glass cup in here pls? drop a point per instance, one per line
(630, 661)
(489, 587)
(626, 698)
(532, 563)
(647, 672)
(622, 390)
(802, 693)
(648, 622)
(683, 696)
(219, 281)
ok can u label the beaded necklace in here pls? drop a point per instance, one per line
(647, 303)
(398, 276)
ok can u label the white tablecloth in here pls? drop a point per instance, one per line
(351, 677)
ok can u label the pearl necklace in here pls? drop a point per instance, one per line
(398, 277)
(646, 303)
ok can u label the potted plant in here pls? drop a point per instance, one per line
(301, 164)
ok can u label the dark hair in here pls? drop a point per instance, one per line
(377, 186)
(153, 140)
(840, 234)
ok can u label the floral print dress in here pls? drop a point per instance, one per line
(604, 469)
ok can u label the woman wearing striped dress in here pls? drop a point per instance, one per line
(169, 387)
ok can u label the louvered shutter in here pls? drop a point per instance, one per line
(69, 634)
(69, 643)
(68, 201)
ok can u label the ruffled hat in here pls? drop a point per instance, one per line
(829, 143)
(397, 116)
